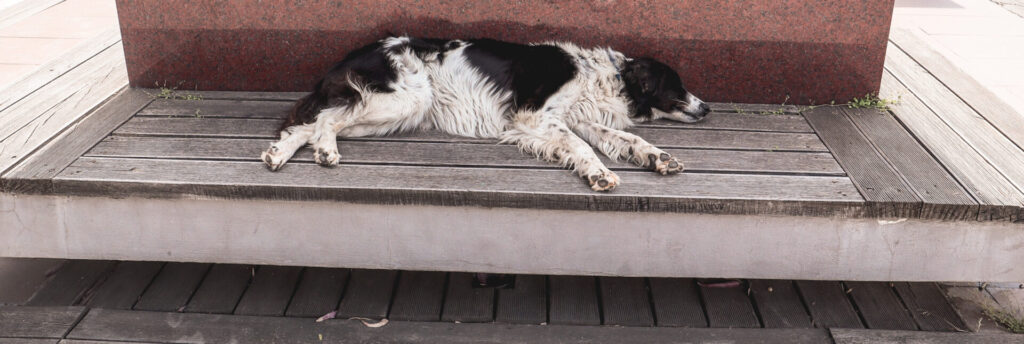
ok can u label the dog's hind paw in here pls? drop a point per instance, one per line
(273, 157)
(604, 181)
(327, 157)
(665, 164)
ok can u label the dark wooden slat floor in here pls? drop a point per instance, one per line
(276, 292)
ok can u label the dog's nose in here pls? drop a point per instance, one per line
(704, 109)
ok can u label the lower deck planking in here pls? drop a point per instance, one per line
(275, 304)
(745, 159)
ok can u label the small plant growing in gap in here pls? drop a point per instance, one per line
(871, 101)
(1008, 320)
(172, 93)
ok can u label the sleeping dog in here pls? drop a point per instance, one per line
(554, 100)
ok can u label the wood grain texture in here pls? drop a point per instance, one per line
(172, 287)
(573, 300)
(53, 69)
(173, 327)
(880, 307)
(125, 285)
(972, 128)
(419, 297)
(23, 9)
(779, 304)
(828, 304)
(221, 290)
(625, 301)
(682, 137)
(677, 302)
(35, 172)
(885, 191)
(38, 322)
(464, 303)
(943, 198)
(270, 291)
(996, 111)
(521, 188)
(35, 119)
(71, 282)
(929, 307)
(318, 292)
(526, 303)
(457, 154)
(997, 197)
(368, 294)
(851, 336)
(729, 307)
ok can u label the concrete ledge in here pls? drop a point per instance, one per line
(508, 240)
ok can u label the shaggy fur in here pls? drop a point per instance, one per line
(554, 100)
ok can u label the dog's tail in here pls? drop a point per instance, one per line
(329, 92)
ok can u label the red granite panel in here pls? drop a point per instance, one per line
(814, 51)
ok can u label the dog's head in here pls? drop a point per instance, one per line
(657, 92)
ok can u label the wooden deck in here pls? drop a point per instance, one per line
(185, 303)
(823, 162)
(801, 173)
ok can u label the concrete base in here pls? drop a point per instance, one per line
(508, 240)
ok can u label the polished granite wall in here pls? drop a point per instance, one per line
(726, 50)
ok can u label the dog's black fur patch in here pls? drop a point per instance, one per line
(531, 72)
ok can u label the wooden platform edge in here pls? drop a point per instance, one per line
(885, 190)
(34, 174)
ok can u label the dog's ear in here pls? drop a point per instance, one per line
(638, 74)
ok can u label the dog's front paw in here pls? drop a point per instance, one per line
(327, 157)
(665, 164)
(603, 181)
(274, 158)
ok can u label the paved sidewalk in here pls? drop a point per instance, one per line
(983, 38)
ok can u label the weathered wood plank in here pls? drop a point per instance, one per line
(177, 327)
(850, 336)
(880, 306)
(729, 306)
(277, 110)
(172, 287)
(221, 290)
(552, 189)
(419, 297)
(974, 129)
(977, 96)
(943, 197)
(779, 304)
(755, 108)
(23, 277)
(38, 322)
(998, 198)
(677, 302)
(456, 154)
(625, 301)
(29, 341)
(663, 137)
(34, 173)
(526, 303)
(573, 301)
(368, 294)
(318, 292)
(24, 9)
(53, 69)
(270, 291)
(70, 283)
(34, 120)
(124, 286)
(464, 303)
(886, 192)
(929, 307)
(828, 304)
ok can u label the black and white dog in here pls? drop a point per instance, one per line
(554, 100)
